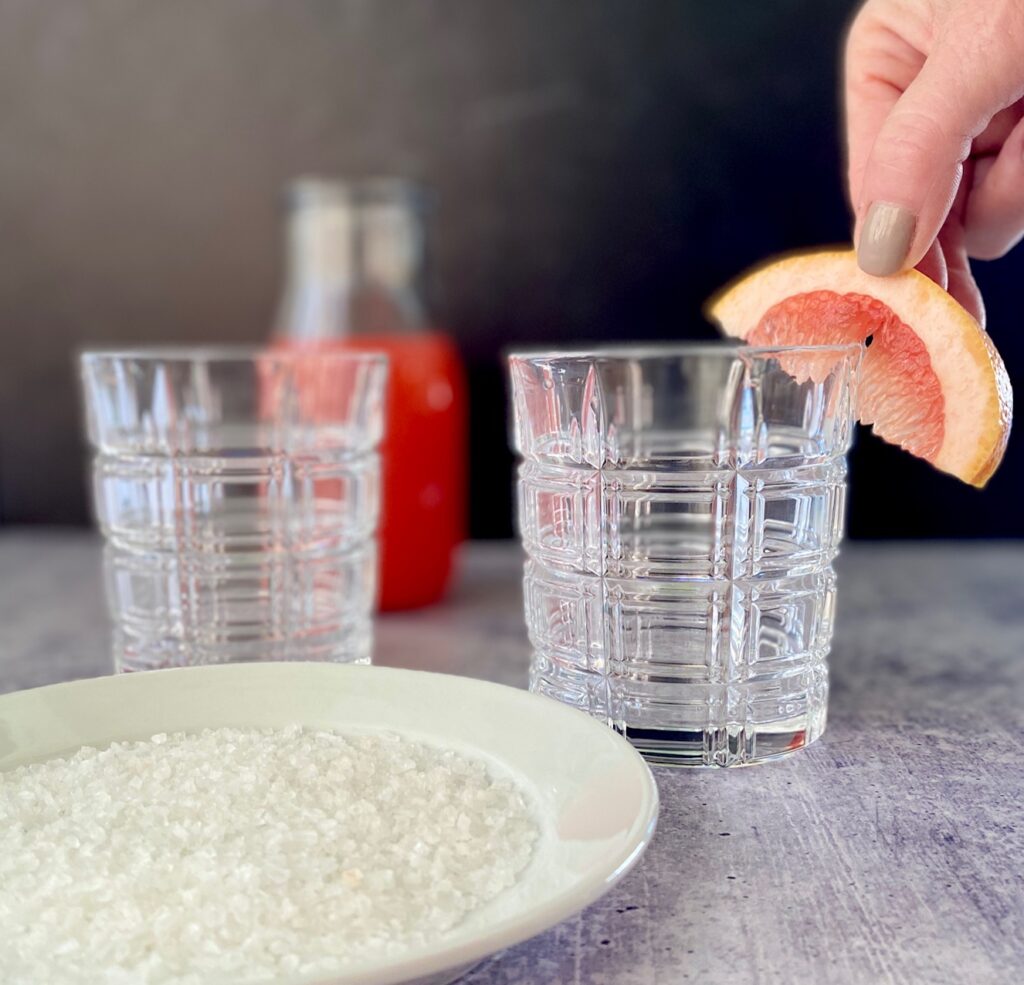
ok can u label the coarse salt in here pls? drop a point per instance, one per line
(246, 855)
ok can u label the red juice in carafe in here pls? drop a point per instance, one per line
(423, 466)
(355, 258)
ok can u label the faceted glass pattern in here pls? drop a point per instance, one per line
(680, 510)
(238, 494)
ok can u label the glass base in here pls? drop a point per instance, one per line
(715, 748)
(130, 655)
(679, 723)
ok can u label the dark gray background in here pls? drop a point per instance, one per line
(600, 167)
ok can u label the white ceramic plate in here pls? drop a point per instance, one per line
(596, 798)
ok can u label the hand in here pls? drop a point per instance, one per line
(935, 135)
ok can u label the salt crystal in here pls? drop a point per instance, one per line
(246, 854)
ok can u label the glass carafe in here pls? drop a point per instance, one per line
(356, 264)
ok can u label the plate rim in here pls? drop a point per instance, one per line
(508, 932)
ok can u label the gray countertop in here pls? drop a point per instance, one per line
(892, 851)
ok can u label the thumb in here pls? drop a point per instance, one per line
(915, 165)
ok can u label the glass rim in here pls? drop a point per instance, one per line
(374, 189)
(676, 350)
(201, 354)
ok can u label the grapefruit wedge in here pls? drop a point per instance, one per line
(931, 380)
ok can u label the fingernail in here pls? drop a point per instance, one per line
(885, 238)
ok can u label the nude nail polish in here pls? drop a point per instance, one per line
(885, 238)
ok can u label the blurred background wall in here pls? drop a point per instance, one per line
(600, 165)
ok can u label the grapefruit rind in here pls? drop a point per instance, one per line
(975, 387)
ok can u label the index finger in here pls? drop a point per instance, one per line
(878, 66)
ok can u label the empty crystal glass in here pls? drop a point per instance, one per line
(680, 508)
(238, 493)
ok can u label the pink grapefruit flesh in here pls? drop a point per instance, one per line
(931, 381)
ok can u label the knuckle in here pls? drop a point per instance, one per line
(918, 131)
(994, 220)
(915, 142)
(991, 246)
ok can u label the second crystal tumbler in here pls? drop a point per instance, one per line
(238, 493)
(680, 509)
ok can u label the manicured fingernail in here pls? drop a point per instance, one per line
(885, 238)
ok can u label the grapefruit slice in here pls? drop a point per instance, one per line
(931, 380)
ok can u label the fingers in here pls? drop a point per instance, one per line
(995, 210)
(992, 138)
(933, 265)
(879, 65)
(961, 282)
(949, 268)
(912, 171)
(951, 239)
(946, 261)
